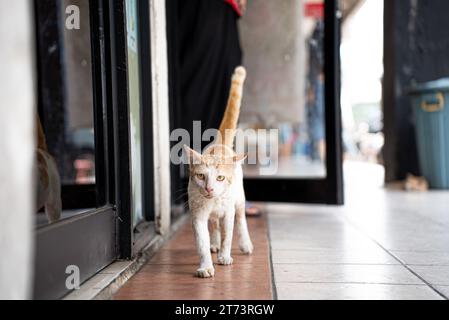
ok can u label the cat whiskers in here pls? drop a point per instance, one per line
(193, 198)
(183, 195)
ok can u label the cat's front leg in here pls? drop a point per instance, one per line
(206, 269)
(227, 230)
(245, 243)
(215, 236)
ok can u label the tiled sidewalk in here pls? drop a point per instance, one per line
(170, 274)
(380, 245)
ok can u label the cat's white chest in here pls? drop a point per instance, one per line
(222, 205)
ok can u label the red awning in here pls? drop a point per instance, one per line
(234, 5)
(314, 10)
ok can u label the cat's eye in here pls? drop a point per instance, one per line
(201, 176)
(221, 178)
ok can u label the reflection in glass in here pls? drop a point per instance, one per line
(78, 165)
(283, 44)
(68, 126)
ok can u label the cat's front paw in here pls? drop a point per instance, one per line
(225, 261)
(205, 272)
(247, 247)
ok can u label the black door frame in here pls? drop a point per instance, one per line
(328, 190)
(132, 240)
(96, 238)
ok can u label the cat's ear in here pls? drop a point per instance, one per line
(240, 158)
(193, 156)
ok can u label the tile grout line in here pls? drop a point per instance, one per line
(364, 264)
(270, 252)
(396, 258)
(315, 249)
(416, 274)
(355, 282)
(336, 264)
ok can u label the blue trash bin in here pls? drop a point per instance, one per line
(431, 110)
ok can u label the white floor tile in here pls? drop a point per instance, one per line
(374, 256)
(436, 275)
(444, 290)
(381, 274)
(336, 291)
(328, 252)
(432, 258)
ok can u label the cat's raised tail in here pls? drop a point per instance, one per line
(231, 117)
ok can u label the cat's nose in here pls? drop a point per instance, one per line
(210, 190)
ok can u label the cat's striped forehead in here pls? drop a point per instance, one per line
(214, 165)
(215, 160)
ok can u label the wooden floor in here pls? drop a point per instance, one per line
(169, 275)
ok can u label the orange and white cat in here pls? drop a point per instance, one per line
(216, 193)
(48, 180)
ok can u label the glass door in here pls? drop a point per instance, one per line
(75, 214)
(290, 124)
(93, 59)
(290, 121)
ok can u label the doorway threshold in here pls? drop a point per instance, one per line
(108, 281)
(170, 274)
